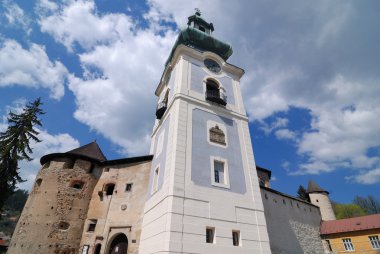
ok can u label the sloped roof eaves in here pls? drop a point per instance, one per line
(350, 225)
(52, 156)
(127, 160)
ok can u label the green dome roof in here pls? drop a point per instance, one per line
(195, 38)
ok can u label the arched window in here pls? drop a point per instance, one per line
(109, 188)
(211, 85)
(98, 247)
(215, 93)
(162, 105)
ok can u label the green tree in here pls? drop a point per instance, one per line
(344, 211)
(16, 201)
(369, 204)
(14, 146)
(302, 194)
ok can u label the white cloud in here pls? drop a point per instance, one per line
(31, 68)
(78, 21)
(121, 67)
(368, 177)
(44, 7)
(16, 16)
(285, 134)
(279, 122)
(315, 57)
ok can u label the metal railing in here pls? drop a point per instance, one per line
(216, 96)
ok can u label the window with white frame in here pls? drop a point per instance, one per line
(219, 172)
(348, 244)
(374, 241)
(155, 179)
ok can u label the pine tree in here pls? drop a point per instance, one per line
(302, 194)
(15, 146)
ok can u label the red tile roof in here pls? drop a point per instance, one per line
(351, 224)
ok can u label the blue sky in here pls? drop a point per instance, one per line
(311, 86)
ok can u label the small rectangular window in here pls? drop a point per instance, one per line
(236, 238)
(77, 184)
(70, 164)
(92, 225)
(374, 241)
(128, 187)
(155, 179)
(210, 234)
(107, 170)
(348, 244)
(91, 169)
(219, 172)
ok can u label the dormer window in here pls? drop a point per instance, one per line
(215, 93)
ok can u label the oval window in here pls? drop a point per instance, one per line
(212, 65)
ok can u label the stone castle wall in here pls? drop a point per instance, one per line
(119, 212)
(53, 217)
(293, 225)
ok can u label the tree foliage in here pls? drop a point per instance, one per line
(16, 201)
(369, 204)
(344, 211)
(15, 146)
(302, 194)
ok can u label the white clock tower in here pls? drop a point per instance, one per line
(204, 194)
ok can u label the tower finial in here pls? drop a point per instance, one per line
(197, 12)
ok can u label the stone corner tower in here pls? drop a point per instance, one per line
(320, 198)
(204, 195)
(53, 217)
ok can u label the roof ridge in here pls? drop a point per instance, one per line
(91, 150)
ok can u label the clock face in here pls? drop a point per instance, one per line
(212, 65)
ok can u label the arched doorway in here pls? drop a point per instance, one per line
(98, 247)
(119, 245)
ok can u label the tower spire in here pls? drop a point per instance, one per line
(314, 187)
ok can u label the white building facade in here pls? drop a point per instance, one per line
(204, 195)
